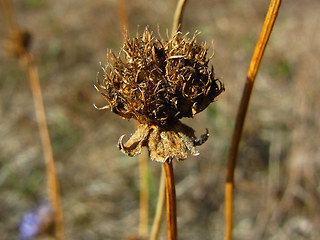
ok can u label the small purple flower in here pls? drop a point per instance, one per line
(36, 222)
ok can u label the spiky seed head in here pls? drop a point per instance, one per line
(158, 82)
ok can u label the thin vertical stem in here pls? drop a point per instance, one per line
(53, 185)
(178, 15)
(242, 111)
(32, 71)
(123, 17)
(159, 209)
(171, 201)
(7, 9)
(144, 193)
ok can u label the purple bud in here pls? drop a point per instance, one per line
(36, 222)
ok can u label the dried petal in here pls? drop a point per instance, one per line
(133, 146)
(164, 143)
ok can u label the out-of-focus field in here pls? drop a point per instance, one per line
(277, 191)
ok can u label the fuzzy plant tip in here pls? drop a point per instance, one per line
(158, 82)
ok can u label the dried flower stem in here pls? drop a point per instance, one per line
(159, 209)
(53, 185)
(242, 110)
(144, 193)
(32, 71)
(7, 9)
(178, 15)
(171, 201)
(123, 17)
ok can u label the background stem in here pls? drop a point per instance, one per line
(178, 15)
(53, 185)
(123, 18)
(242, 111)
(160, 204)
(31, 69)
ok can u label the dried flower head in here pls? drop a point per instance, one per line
(157, 83)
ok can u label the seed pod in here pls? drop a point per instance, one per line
(157, 83)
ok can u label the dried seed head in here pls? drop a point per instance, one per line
(17, 43)
(158, 83)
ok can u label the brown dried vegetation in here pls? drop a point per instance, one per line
(157, 84)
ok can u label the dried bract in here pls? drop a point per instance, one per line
(164, 143)
(157, 83)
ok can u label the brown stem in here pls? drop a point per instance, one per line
(178, 15)
(53, 185)
(8, 11)
(160, 204)
(123, 17)
(32, 71)
(242, 111)
(144, 193)
(171, 201)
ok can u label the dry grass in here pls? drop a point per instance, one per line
(277, 193)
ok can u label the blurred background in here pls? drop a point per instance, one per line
(277, 182)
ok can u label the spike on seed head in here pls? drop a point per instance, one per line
(157, 83)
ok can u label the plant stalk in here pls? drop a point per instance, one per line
(178, 15)
(159, 209)
(8, 11)
(123, 17)
(52, 180)
(171, 201)
(242, 111)
(144, 193)
(31, 69)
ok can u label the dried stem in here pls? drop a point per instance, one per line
(32, 71)
(178, 15)
(171, 201)
(123, 17)
(144, 193)
(242, 110)
(53, 185)
(8, 11)
(159, 210)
